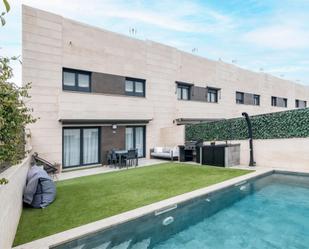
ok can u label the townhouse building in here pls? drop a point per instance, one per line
(94, 90)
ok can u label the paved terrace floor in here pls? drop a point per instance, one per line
(293, 168)
(78, 172)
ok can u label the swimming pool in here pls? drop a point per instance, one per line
(266, 212)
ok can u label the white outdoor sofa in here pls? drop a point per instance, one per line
(165, 152)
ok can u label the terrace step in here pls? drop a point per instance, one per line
(103, 246)
(123, 245)
(96, 244)
(144, 244)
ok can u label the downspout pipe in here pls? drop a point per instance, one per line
(252, 162)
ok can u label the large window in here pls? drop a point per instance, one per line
(76, 80)
(278, 101)
(256, 99)
(212, 95)
(239, 97)
(300, 103)
(247, 98)
(135, 87)
(135, 139)
(183, 92)
(80, 146)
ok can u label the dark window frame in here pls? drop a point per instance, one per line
(258, 99)
(298, 101)
(274, 101)
(240, 101)
(214, 91)
(285, 101)
(134, 93)
(134, 137)
(182, 87)
(76, 87)
(81, 144)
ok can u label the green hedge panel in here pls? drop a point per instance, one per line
(287, 124)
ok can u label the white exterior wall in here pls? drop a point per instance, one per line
(11, 203)
(171, 136)
(290, 153)
(42, 66)
(51, 42)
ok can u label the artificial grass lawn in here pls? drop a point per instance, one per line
(86, 199)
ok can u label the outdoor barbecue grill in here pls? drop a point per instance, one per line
(189, 151)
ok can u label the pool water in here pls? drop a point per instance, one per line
(270, 212)
(275, 217)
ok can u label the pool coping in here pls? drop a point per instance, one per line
(93, 227)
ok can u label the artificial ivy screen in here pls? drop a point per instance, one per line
(286, 124)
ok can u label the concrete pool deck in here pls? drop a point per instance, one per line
(282, 169)
(75, 233)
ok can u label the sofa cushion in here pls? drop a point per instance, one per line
(166, 150)
(158, 150)
(163, 155)
(175, 151)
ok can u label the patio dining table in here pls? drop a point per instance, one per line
(121, 155)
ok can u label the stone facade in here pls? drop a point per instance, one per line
(51, 43)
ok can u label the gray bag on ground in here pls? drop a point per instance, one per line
(40, 189)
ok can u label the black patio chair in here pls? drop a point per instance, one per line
(131, 157)
(112, 158)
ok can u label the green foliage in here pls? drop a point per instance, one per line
(7, 6)
(286, 124)
(14, 116)
(7, 9)
(4, 181)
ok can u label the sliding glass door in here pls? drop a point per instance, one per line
(135, 139)
(129, 138)
(80, 146)
(139, 141)
(71, 147)
(90, 146)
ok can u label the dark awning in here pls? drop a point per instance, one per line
(103, 121)
(184, 121)
(184, 83)
(215, 88)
